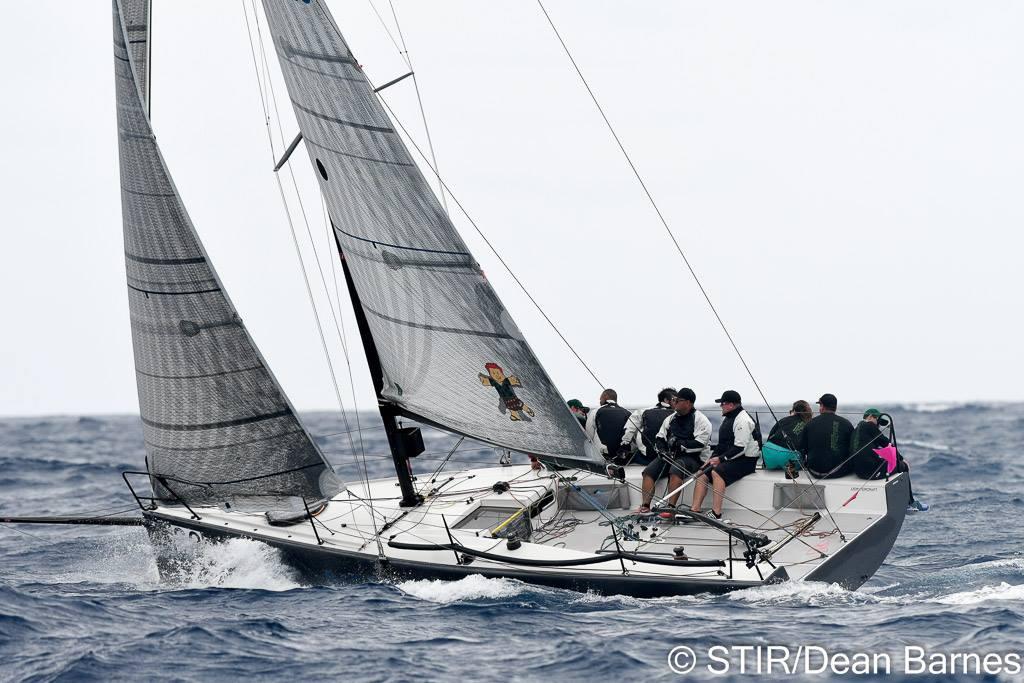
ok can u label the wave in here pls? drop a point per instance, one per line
(1004, 591)
(473, 587)
(932, 407)
(810, 593)
(943, 407)
(927, 445)
(235, 563)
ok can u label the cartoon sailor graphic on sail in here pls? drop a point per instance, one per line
(507, 399)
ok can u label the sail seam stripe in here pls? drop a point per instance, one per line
(310, 69)
(227, 445)
(276, 473)
(399, 246)
(438, 328)
(150, 291)
(342, 122)
(292, 51)
(139, 192)
(165, 261)
(356, 156)
(217, 425)
(211, 374)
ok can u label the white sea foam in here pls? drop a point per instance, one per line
(472, 587)
(1004, 591)
(125, 557)
(927, 445)
(236, 563)
(932, 407)
(802, 592)
(129, 558)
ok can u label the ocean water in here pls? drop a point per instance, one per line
(85, 603)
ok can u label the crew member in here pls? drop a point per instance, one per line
(642, 428)
(578, 410)
(733, 457)
(867, 464)
(685, 438)
(607, 424)
(780, 449)
(825, 441)
(681, 442)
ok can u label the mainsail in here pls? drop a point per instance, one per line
(217, 425)
(136, 26)
(449, 352)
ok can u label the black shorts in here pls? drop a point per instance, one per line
(662, 468)
(733, 470)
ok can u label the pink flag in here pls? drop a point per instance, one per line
(888, 454)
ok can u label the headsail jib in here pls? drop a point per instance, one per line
(449, 352)
(217, 425)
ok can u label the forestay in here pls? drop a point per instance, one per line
(449, 351)
(217, 425)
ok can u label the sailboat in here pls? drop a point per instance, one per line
(228, 456)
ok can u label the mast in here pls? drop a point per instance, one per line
(404, 442)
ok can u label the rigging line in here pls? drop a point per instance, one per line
(508, 269)
(387, 30)
(419, 100)
(269, 93)
(316, 314)
(323, 280)
(259, 81)
(273, 100)
(654, 204)
(334, 273)
(444, 462)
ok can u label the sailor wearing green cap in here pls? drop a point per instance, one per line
(867, 464)
(865, 439)
(578, 410)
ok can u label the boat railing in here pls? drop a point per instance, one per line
(153, 500)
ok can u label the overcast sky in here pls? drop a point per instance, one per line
(844, 177)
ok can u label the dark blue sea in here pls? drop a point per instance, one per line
(85, 603)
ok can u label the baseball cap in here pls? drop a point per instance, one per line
(872, 412)
(829, 401)
(686, 394)
(729, 396)
(574, 403)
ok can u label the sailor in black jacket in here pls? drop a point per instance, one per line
(825, 441)
(642, 429)
(606, 425)
(867, 464)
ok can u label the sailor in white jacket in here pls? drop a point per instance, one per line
(683, 443)
(733, 458)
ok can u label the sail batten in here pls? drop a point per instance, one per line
(215, 420)
(446, 350)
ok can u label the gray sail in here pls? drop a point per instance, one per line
(449, 351)
(217, 425)
(136, 25)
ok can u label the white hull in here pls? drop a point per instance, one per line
(416, 541)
